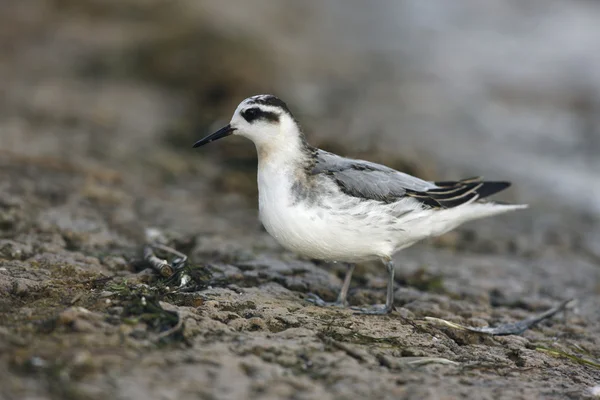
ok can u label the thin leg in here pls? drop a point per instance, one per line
(341, 300)
(380, 309)
(346, 286)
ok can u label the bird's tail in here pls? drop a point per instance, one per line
(490, 208)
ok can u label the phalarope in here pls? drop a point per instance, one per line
(328, 207)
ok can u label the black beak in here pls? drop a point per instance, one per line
(221, 133)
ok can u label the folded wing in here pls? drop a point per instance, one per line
(373, 181)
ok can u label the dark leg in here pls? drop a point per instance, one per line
(380, 309)
(341, 300)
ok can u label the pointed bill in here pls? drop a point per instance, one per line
(221, 133)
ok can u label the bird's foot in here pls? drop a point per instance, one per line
(317, 301)
(377, 309)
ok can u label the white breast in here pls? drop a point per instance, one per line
(323, 229)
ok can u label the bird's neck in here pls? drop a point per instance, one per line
(285, 154)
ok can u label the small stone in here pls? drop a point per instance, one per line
(477, 322)
(37, 362)
(405, 313)
(256, 324)
(81, 325)
(20, 288)
(118, 310)
(115, 263)
(82, 358)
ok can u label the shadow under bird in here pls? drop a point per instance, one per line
(328, 207)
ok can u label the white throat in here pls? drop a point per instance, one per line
(286, 150)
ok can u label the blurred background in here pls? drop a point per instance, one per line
(101, 100)
(508, 90)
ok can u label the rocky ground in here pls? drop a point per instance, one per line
(101, 102)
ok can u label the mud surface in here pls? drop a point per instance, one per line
(101, 102)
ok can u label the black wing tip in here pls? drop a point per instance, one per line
(449, 184)
(491, 188)
(454, 193)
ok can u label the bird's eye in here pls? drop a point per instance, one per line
(255, 113)
(251, 114)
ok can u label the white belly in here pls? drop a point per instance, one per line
(316, 234)
(317, 229)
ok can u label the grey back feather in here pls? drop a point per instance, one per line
(368, 180)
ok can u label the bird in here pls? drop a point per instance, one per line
(327, 207)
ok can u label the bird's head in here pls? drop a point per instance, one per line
(264, 119)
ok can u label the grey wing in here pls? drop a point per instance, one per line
(377, 182)
(368, 180)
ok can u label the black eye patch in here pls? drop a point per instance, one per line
(255, 113)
